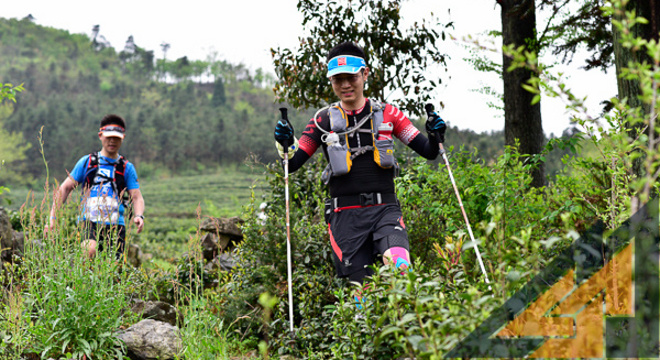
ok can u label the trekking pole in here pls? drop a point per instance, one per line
(429, 112)
(288, 231)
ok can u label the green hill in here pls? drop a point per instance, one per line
(182, 114)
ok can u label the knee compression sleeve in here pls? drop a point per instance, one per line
(400, 257)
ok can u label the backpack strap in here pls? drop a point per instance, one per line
(120, 179)
(92, 169)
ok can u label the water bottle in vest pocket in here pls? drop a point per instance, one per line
(384, 146)
(338, 155)
(385, 131)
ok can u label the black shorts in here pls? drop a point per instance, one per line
(359, 236)
(111, 236)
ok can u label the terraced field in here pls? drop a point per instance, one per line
(172, 204)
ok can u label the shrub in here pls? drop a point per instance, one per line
(69, 306)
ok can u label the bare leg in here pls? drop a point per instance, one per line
(89, 246)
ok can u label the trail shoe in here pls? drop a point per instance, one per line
(359, 300)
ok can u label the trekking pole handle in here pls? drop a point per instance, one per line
(285, 117)
(429, 109)
(432, 114)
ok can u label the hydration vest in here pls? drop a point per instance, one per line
(341, 155)
(118, 181)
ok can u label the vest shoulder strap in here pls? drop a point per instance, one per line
(377, 112)
(337, 117)
(118, 175)
(120, 170)
(92, 168)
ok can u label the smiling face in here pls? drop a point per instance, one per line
(110, 144)
(349, 88)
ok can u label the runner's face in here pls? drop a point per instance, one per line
(111, 144)
(349, 88)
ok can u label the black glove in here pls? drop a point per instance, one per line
(436, 126)
(284, 133)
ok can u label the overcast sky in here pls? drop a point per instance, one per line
(245, 30)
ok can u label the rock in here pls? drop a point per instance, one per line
(226, 233)
(209, 246)
(225, 240)
(224, 262)
(150, 340)
(157, 310)
(134, 255)
(19, 243)
(6, 236)
(228, 226)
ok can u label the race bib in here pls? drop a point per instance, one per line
(104, 209)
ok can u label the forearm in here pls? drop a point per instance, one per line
(426, 147)
(297, 160)
(138, 205)
(302, 151)
(59, 198)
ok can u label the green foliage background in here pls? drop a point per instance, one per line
(422, 313)
(185, 120)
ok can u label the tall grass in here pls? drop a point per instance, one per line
(59, 303)
(69, 305)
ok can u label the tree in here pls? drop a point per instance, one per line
(12, 145)
(592, 27)
(399, 60)
(162, 64)
(95, 34)
(650, 10)
(182, 69)
(219, 97)
(164, 47)
(129, 47)
(522, 113)
(99, 42)
(630, 88)
(586, 27)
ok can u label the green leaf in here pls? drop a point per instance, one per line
(529, 88)
(414, 340)
(390, 330)
(64, 345)
(406, 319)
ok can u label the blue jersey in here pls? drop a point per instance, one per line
(102, 204)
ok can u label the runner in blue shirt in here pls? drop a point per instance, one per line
(107, 178)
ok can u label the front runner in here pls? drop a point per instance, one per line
(363, 214)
